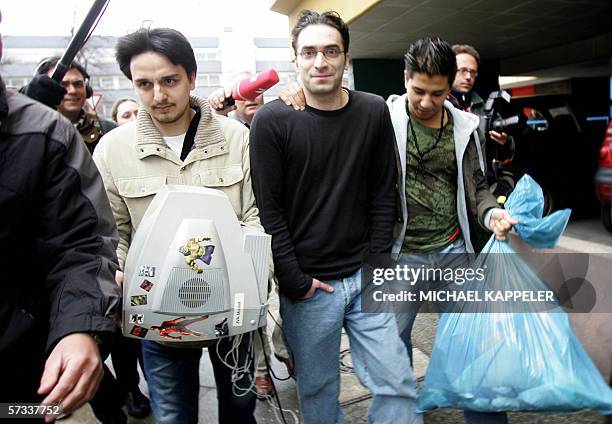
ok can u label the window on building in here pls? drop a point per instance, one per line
(107, 82)
(214, 79)
(273, 54)
(205, 54)
(209, 80)
(287, 77)
(103, 82)
(124, 83)
(16, 82)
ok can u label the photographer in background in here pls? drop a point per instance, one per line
(463, 97)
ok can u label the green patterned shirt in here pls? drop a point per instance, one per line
(431, 198)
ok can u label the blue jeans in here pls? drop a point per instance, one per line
(174, 383)
(312, 329)
(452, 256)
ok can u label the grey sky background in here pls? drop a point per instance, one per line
(191, 17)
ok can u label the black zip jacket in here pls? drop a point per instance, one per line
(57, 233)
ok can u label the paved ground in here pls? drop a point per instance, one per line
(591, 230)
(586, 234)
(354, 397)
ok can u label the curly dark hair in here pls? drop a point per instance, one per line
(310, 17)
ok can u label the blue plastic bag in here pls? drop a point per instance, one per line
(499, 361)
(526, 204)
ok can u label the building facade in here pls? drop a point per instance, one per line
(218, 59)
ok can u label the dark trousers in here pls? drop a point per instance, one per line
(174, 383)
(110, 397)
(108, 400)
(21, 367)
(126, 355)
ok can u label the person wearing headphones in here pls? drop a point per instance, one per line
(73, 103)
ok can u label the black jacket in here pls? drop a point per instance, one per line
(57, 233)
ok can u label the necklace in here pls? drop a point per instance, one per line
(420, 166)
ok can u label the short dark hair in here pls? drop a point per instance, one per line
(432, 56)
(310, 17)
(48, 63)
(467, 49)
(166, 41)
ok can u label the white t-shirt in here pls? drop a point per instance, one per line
(175, 142)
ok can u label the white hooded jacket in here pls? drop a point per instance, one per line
(465, 129)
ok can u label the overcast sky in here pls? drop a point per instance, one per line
(191, 17)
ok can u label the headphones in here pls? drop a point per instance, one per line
(45, 65)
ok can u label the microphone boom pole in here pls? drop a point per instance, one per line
(78, 40)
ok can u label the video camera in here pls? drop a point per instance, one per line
(494, 120)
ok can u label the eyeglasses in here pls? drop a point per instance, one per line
(465, 71)
(331, 52)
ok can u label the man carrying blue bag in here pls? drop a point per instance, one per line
(520, 356)
(444, 195)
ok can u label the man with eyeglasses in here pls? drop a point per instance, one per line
(468, 61)
(463, 97)
(324, 180)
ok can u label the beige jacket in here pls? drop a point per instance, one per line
(135, 163)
